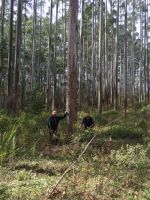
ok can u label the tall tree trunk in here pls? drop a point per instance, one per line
(2, 16)
(49, 68)
(10, 58)
(93, 54)
(121, 78)
(141, 54)
(125, 61)
(88, 85)
(23, 81)
(145, 52)
(64, 13)
(65, 27)
(133, 51)
(112, 55)
(2, 34)
(100, 91)
(147, 59)
(116, 59)
(106, 59)
(39, 70)
(18, 57)
(55, 60)
(33, 44)
(81, 57)
(71, 97)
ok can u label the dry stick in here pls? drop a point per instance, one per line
(69, 168)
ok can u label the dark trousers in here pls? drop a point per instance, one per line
(51, 133)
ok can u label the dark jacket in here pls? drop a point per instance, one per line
(88, 122)
(54, 120)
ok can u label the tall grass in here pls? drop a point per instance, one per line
(7, 145)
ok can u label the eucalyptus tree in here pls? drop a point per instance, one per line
(106, 96)
(55, 59)
(87, 51)
(23, 72)
(141, 53)
(39, 70)
(10, 57)
(125, 60)
(34, 6)
(106, 43)
(133, 50)
(64, 17)
(147, 63)
(49, 68)
(81, 56)
(146, 71)
(112, 51)
(116, 59)
(71, 96)
(65, 29)
(2, 17)
(93, 52)
(100, 91)
(17, 66)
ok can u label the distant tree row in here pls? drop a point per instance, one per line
(108, 56)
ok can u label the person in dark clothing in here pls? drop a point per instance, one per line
(87, 121)
(53, 122)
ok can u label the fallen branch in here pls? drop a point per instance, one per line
(69, 168)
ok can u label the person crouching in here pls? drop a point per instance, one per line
(87, 121)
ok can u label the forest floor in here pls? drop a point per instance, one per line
(108, 170)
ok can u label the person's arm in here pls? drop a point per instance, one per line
(63, 116)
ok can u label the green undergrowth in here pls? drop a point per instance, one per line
(115, 166)
(124, 132)
(121, 174)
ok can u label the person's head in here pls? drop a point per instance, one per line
(88, 114)
(54, 112)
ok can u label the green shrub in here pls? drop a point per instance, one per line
(24, 176)
(124, 132)
(29, 130)
(110, 113)
(141, 124)
(31, 127)
(4, 192)
(100, 119)
(6, 122)
(86, 135)
(25, 189)
(145, 109)
(8, 145)
(147, 194)
(130, 156)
